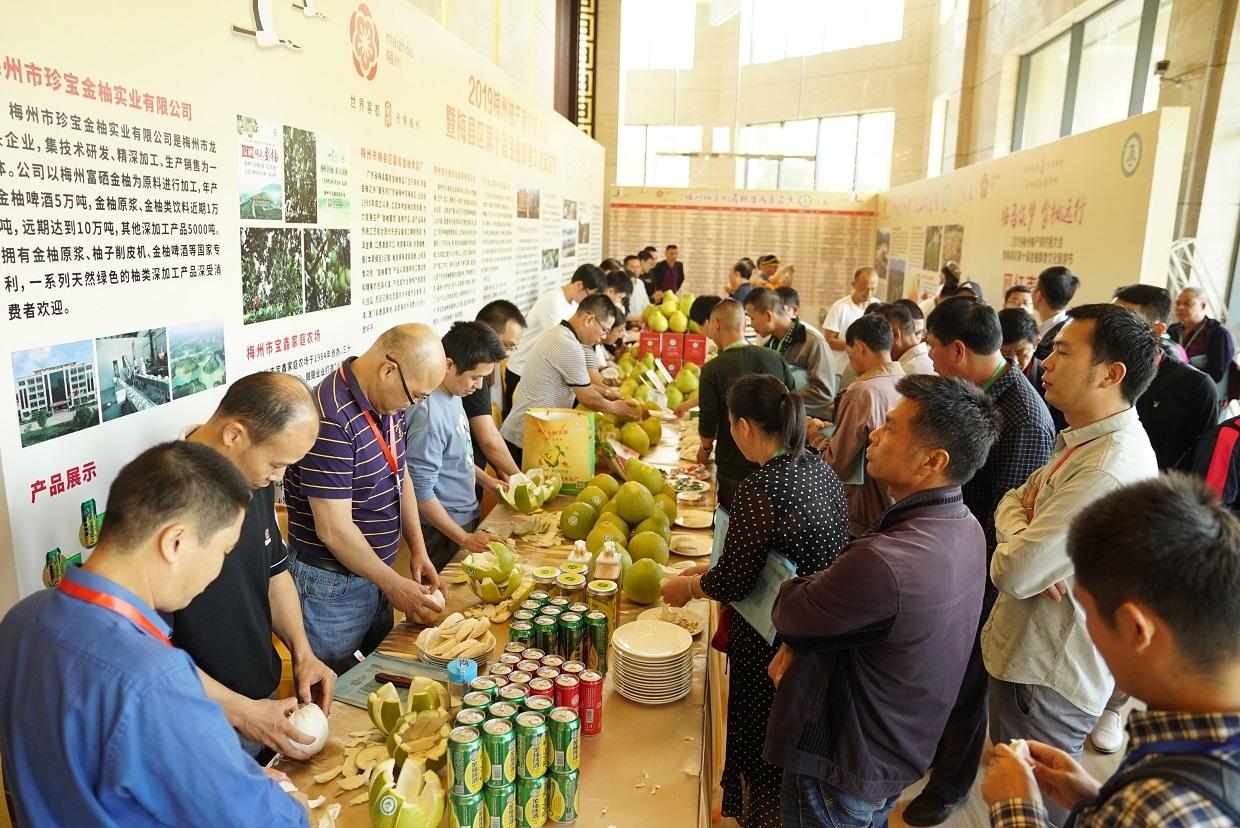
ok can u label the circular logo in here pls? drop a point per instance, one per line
(804, 201)
(365, 37)
(1131, 158)
(387, 805)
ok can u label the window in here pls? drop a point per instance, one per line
(845, 153)
(657, 34)
(777, 29)
(1096, 73)
(656, 156)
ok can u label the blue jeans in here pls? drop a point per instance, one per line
(807, 802)
(342, 613)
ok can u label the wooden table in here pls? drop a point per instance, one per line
(670, 746)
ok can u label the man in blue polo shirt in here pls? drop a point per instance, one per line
(351, 501)
(440, 449)
(102, 721)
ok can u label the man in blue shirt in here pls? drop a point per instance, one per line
(440, 452)
(102, 721)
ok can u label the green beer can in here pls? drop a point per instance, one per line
(564, 796)
(533, 746)
(503, 710)
(471, 717)
(559, 601)
(477, 701)
(468, 811)
(546, 634)
(524, 615)
(572, 637)
(564, 727)
(540, 596)
(501, 805)
(465, 774)
(532, 802)
(522, 632)
(596, 634)
(499, 747)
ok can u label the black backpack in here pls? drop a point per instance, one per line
(1205, 774)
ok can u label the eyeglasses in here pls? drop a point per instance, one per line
(414, 399)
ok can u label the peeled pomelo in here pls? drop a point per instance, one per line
(385, 708)
(310, 720)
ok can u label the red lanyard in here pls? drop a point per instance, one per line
(1063, 459)
(387, 452)
(113, 604)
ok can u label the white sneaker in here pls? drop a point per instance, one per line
(1108, 735)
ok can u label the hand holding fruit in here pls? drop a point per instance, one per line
(314, 680)
(623, 408)
(266, 721)
(477, 541)
(412, 599)
(678, 591)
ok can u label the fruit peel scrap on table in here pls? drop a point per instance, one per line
(493, 575)
(527, 492)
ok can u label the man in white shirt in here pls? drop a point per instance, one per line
(1047, 680)
(638, 299)
(906, 346)
(556, 373)
(1051, 296)
(549, 310)
(846, 311)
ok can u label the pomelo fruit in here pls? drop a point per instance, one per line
(642, 582)
(636, 438)
(605, 482)
(577, 520)
(634, 502)
(649, 545)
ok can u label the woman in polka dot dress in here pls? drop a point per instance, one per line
(794, 505)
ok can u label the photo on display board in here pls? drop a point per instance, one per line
(934, 243)
(327, 269)
(882, 243)
(953, 244)
(527, 202)
(333, 181)
(568, 249)
(197, 357)
(133, 372)
(550, 258)
(300, 177)
(570, 210)
(260, 173)
(56, 390)
(898, 277)
(271, 274)
(583, 229)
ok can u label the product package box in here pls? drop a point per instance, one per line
(673, 347)
(673, 365)
(695, 349)
(651, 343)
(561, 441)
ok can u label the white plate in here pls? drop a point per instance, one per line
(650, 664)
(689, 620)
(651, 640)
(690, 546)
(631, 696)
(665, 675)
(695, 518)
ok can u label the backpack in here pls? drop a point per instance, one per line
(1220, 458)
(1205, 774)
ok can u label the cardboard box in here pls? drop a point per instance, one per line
(695, 349)
(650, 343)
(673, 365)
(673, 347)
(560, 440)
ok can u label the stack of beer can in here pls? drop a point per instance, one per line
(514, 757)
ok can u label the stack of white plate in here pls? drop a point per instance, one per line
(652, 662)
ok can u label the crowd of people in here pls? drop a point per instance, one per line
(970, 498)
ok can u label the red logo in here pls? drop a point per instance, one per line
(365, 37)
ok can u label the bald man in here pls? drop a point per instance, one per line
(351, 500)
(726, 326)
(266, 422)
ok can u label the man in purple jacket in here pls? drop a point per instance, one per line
(875, 646)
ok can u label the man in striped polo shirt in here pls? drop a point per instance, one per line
(555, 373)
(351, 501)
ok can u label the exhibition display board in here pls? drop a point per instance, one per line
(193, 192)
(1102, 202)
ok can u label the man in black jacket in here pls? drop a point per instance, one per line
(1051, 296)
(668, 274)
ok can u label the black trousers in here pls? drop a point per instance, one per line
(515, 451)
(439, 548)
(960, 748)
(510, 385)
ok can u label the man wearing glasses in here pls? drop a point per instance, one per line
(555, 374)
(351, 501)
